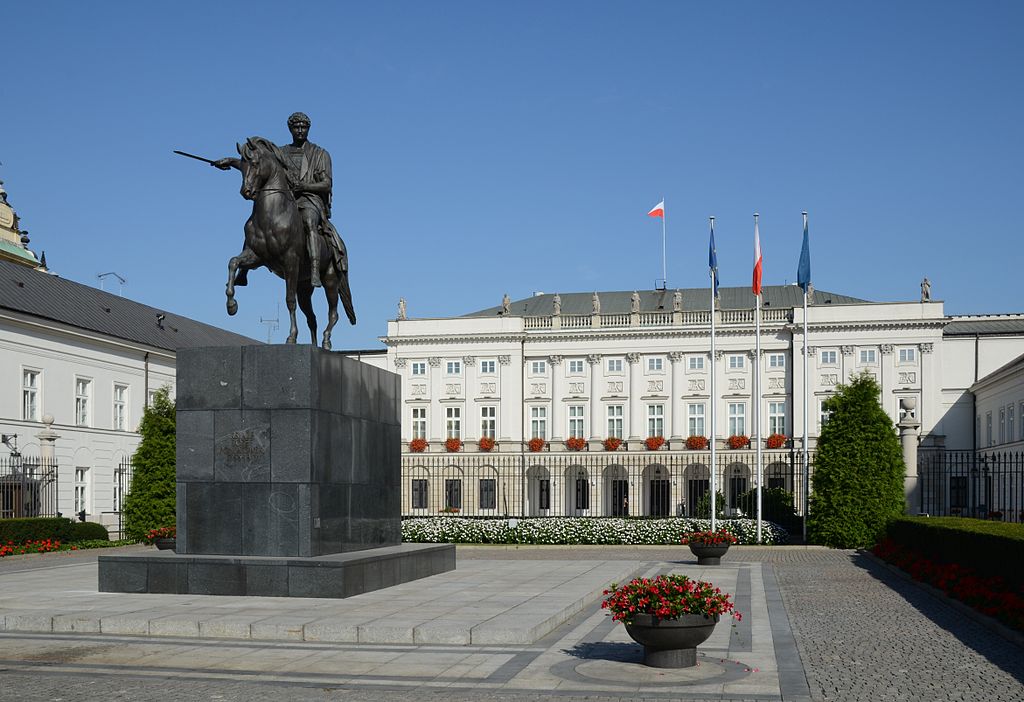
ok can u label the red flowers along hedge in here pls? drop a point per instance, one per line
(992, 596)
(34, 546)
(667, 597)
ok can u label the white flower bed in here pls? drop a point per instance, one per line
(578, 530)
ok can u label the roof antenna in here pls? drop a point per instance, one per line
(272, 324)
(121, 281)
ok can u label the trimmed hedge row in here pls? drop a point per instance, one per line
(990, 548)
(60, 529)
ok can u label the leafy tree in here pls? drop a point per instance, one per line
(150, 502)
(858, 470)
(703, 508)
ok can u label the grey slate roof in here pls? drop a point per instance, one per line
(661, 301)
(50, 297)
(969, 327)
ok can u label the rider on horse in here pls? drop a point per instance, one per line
(309, 176)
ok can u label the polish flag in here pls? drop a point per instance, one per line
(757, 260)
(658, 210)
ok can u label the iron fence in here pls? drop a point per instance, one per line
(654, 484)
(28, 487)
(123, 475)
(980, 484)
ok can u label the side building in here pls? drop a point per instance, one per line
(600, 403)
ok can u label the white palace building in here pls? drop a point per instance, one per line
(575, 369)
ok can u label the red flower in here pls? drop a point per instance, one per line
(453, 444)
(486, 443)
(775, 441)
(654, 443)
(418, 445)
(575, 443)
(738, 441)
(612, 443)
(697, 443)
(537, 444)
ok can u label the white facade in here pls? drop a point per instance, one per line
(999, 402)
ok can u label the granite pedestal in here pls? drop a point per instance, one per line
(284, 453)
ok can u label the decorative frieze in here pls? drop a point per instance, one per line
(737, 383)
(907, 378)
(614, 386)
(886, 349)
(594, 359)
(453, 388)
(776, 383)
(846, 350)
(829, 379)
(418, 389)
(655, 386)
(555, 360)
(632, 358)
(434, 361)
(539, 388)
(576, 388)
(676, 356)
(469, 361)
(400, 362)
(504, 360)
(696, 385)
(488, 388)
(926, 347)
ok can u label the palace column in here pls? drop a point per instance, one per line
(470, 426)
(594, 360)
(510, 392)
(435, 418)
(675, 407)
(635, 393)
(557, 420)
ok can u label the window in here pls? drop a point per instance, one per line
(419, 493)
(776, 360)
(908, 355)
(121, 407)
(737, 419)
(419, 422)
(453, 425)
(538, 367)
(419, 368)
(576, 367)
(454, 367)
(776, 417)
(488, 493)
(988, 428)
(487, 367)
(538, 422)
(453, 494)
(1010, 436)
(655, 364)
(150, 398)
(867, 356)
(695, 363)
(736, 361)
(1002, 425)
(30, 395)
(823, 414)
(83, 391)
(828, 358)
(576, 421)
(582, 492)
(81, 490)
(695, 419)
(614, 365)
(655, 420)
(615, 421)
(488, 421)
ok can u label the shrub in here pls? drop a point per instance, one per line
(697, 443)
(25, 529)
(776, 503)
(858, 472)
(703, 509)
(150, 503)
(88, 531)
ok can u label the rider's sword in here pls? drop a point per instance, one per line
(197, 158)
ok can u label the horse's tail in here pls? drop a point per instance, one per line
(346, 296)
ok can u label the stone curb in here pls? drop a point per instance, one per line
(993, 625)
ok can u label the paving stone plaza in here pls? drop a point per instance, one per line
(508, 624)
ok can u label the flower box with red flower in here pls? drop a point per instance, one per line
(449, 510)
(670, 615)
(738, 441)
(575, 443)
(653, 443)
(697, 443)
(536, 444)
(775, 441)
(486, 443)
(452, 445)
(163, 538)
(612, 443)
(418, 445)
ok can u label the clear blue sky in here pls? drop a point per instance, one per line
(481, 148)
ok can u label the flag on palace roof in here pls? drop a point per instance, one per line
(757, 260)
(803, 271)
(658, 210)
(713, 258)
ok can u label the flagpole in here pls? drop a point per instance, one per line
(757, 386)
(664, 268)
(807, 475)
(714, 523)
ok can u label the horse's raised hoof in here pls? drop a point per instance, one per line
(232, 307)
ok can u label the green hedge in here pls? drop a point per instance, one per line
(990, 548)
(89, 531)
(21, 530)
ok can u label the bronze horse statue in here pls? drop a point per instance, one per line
(276, 238)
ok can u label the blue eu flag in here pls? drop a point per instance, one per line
(713, 257)
(803, 271)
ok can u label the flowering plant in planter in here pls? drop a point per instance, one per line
(418, 445)
(612, 443)
(738, 441)
(486, 443)
(575, 443)
(536, 444)
(453, 444)
(775, 441)
(709, 538)
(165, 532)
(653, 443)
(449, 510)
(697, 443)
(667, 597)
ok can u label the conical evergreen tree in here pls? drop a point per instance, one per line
(858, 470)
(150, 502)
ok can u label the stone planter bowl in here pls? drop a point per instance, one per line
(708, 554)
(671, 643)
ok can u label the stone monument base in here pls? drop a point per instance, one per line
(335, 576)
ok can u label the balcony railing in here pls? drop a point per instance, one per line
(653, 319)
